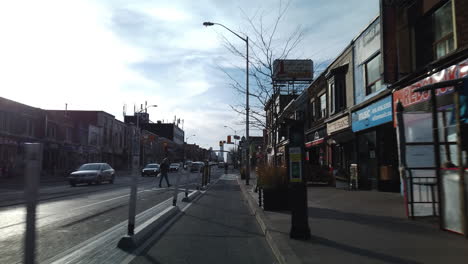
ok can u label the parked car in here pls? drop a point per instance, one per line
(221, 164)
(151, 169)
(197, 166)
(174, 167)
(92, 173)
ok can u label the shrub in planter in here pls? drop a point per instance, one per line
(242, 173)
(273, 182)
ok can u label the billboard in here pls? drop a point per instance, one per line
(293, 70)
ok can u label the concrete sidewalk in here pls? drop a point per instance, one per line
(358, 227)
(217, 228)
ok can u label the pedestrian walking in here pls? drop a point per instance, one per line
(164, 170)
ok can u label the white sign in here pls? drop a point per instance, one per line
(337, 125)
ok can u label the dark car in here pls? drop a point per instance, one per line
(92, 173)
(152, 169)
(197, 166)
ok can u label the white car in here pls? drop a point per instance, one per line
(174, 167)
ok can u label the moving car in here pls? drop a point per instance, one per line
(174, 167)
(151, 169)
(221, 164)
(197, 166)
(92, 173)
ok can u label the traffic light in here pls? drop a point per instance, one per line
(220, 143)
(165, 147)
(229, 140)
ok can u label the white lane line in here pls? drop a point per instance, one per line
(105, 201)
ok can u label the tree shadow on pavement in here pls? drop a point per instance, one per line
(393, 224)
(235, 212)
(360, 251)
(224, 225)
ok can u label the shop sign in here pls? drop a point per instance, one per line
(338, 125)
(375, 114)
(318, 137)
(408, 98)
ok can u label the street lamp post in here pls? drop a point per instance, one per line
(135, 167)
(247, 109)
(235, 145)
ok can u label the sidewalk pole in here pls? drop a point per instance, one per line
(297, 187)
(176, 191)
(133, 196)
(33, 168)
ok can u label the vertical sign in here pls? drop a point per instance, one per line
(295, 164)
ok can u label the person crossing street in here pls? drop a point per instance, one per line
(164, 170)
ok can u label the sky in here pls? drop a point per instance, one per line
(104, 55)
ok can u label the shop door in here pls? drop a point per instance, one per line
(367, 166)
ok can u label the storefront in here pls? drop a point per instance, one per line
(435, 153)
(341, 147)
(376, 151)
(317, 166)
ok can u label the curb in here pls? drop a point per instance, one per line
(150, 226)
(280, 246)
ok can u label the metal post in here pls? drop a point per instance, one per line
(33, 168)
(176, 191)
(461, 169)
(401, 143)
(133, 190)
(435, 135)
(247, 173)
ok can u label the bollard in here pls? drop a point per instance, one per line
(133, 196)
(33, 153)
(176, 191)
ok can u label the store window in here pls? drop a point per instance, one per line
(323, 105)
(443, 30)
(373, 76)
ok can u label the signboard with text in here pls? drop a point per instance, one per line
(293, 70)
(414, 101)
(372, 115)
(338, 125)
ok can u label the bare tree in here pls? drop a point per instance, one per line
(265, 47)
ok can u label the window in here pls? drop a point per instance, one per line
(323, 105)
(312, 110)
(373, 77)
(331, 92)
(443, 30)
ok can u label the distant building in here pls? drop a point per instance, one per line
(168, 130)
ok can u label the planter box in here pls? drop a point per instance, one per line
(275, 199)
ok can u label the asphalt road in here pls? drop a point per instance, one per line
(67, 216)
(217, 228)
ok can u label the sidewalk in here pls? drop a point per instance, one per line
(217, 228)
(358, 227)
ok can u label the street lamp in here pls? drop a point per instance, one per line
(136, 165)
(235, 144)
(186, 140)
(246, 40)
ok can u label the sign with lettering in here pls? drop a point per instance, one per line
(287, 70)
(338, 125)
(295, 164)
(415, 100)
(372, 115)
